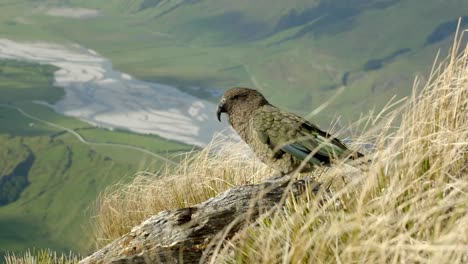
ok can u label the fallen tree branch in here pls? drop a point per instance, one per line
(184, 235)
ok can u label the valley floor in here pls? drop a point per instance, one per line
(100, 95)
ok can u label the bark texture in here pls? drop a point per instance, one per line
(185, 235)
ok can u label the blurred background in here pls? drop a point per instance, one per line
(92, 91)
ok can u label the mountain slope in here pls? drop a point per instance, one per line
(310, 48)
(50, 180)
(306, 50)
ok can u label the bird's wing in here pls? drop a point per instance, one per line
(289, 133)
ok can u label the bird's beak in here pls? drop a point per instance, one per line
(221, 109)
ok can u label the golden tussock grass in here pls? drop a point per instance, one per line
(409, 205)
(42, 257)
(200, 176)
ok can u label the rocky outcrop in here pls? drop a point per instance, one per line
(189, 235)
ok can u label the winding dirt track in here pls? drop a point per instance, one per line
(100, 95)
(83, 140)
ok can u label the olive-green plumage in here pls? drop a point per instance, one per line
(281, 139)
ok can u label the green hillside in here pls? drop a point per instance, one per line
(310, 48)
(49, 180)
(305, 49)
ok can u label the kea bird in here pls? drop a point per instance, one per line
(280, 139)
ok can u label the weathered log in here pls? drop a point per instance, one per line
(184, 235)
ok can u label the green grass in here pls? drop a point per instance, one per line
(66, 177)
(13, 123)
(204, 44)
(192, 45)
(41, 256)
(23, 81)
(150, 142)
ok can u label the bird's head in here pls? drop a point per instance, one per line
(240, 100)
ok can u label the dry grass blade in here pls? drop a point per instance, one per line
(200, 176)
(42, 257)
(410, 204)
